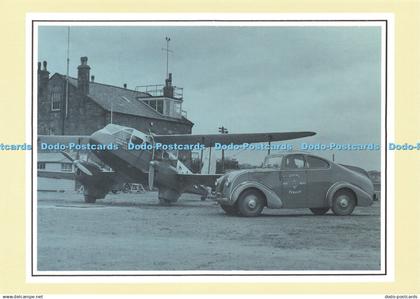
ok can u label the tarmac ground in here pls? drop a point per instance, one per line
(131, 232)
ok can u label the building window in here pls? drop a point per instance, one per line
(159, 106)
(41, 165)
(56, 96)
(66, 167)
(136, 140)
(153, 104)
(168, 107)
(177, 108)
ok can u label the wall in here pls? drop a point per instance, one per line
(85, 116)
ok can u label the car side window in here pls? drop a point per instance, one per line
(294, 162)
(317, 163)
(273, 162)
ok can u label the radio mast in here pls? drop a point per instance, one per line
(67, 71)
(168, 39)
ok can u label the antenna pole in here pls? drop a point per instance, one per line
(167, 55)
(67, 71)
(112, 108)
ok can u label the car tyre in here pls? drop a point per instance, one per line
(230, 210)
(90, 199)
(343, 203)
(319, 211)
(250, 203)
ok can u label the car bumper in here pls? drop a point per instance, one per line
(223, 200)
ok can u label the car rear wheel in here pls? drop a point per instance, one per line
(250, 203)
(230, 210)
(343, 203)
(319, 211)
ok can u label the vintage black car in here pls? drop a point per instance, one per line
(295, 180)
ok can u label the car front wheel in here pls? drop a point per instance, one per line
(230, 210)
(343, 203)
(250, 203)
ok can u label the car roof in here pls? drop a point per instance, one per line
(295, 153)
(299, 153)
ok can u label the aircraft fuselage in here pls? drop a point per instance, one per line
(134, 164)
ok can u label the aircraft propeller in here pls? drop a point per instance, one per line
(78, 164)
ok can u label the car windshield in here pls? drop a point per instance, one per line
(272, 162)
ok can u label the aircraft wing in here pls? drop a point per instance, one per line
(71, 176)
(209, 140)
(56, 175)
(63, 139)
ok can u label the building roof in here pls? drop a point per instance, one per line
(123, 101)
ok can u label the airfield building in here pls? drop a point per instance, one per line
(81, 106)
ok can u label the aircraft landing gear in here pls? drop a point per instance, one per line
(92, 194)
(89, 199)
(168, 196)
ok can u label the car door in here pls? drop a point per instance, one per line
(293, 181)
(319, 180)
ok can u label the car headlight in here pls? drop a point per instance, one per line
(227, 183)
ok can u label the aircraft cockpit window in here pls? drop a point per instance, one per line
(136, 140)
(123, 137)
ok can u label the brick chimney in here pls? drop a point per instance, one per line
(83, 71)
(168, 90)
(43, 78)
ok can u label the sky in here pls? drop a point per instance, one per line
(325, 79)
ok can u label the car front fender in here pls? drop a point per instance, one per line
(273, 200)
(363, 198)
